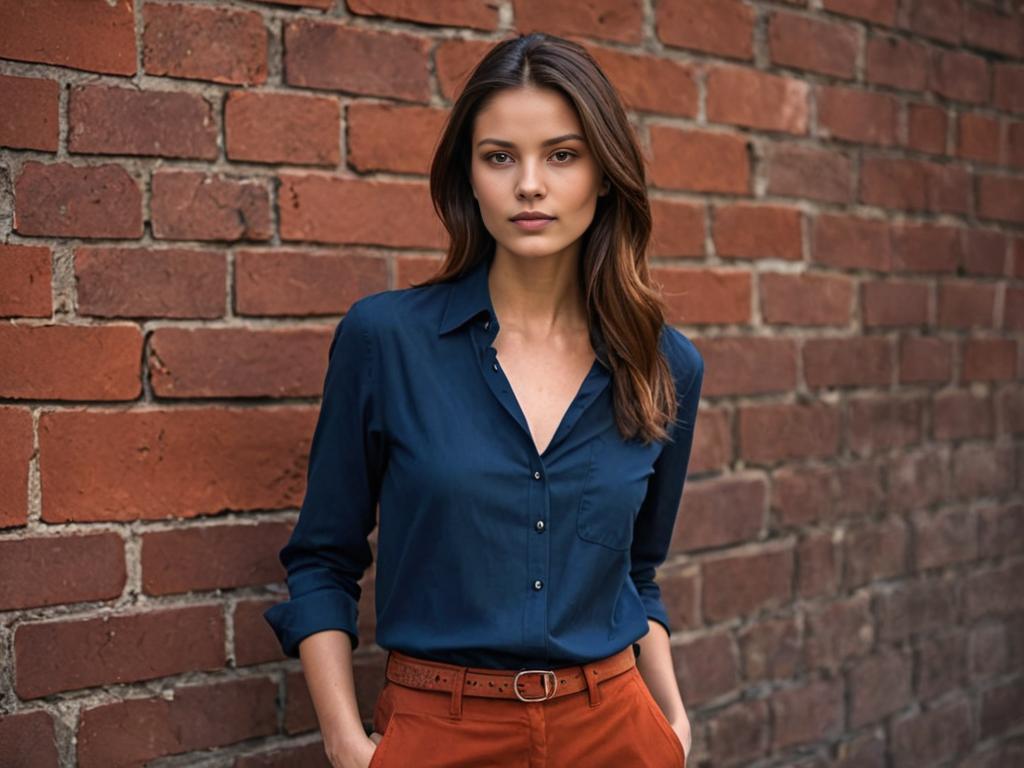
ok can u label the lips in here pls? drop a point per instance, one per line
(530, 216)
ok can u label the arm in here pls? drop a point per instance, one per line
(328, 551)
(653, 533)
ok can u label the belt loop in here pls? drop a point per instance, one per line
(590, 672)
(459, 679)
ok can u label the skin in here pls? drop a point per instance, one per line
(542, 336)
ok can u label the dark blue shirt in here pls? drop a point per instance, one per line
(488, 553)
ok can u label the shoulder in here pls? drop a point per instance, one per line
(397, 309)
(683, 357)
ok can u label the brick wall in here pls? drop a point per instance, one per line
(192, 193)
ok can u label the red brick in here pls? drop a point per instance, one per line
(650, 83)
(389, 137)
(966, 304)
(927, 128)
(780, 432)
(813, 44)
(805, 299)
(1000, 198)
(194, 717)
(64, 200)
(894, 302)
(847, 362)
(28, 578)
(880, 12)
(848, 242)
(212, 557)
(944, 538)
(193, 205)
(700, 161)
(978, 137)
(925, 359)
(898, 62)
(875, 551)
(63, 362)
(806, 713)
(994, 592)
(678, 229)
(958, 75)
(328, 209)
(740, 732)
(913, 185)
(985, 252)
(701, 296)
(1000, 32)
(751, 231)
(721, 27)
(707, 667)
(838, 631)
(737, 585)
(712, 441)
(961, 415)
(1001, 530)
(157, 464)
(30, 736)
(770, 649)
(926, 247)
(756, 99)
(30, 119)
(851, 114)
(800, 495)
(481, 16)
(602, 19)
(817, 565)
(750, 365)
(238, 362)
(1013, 146)
(126, 121)
(808, 172)
(69, 33)
(217, 44)
(721, 511)
(284, 282)
(1008, 86)
(323, 5)
(150, 282)
(878, 425)
(933, 735)
(282, 128)
(941, 663)
(989, 360)
(339, 57)
(880, 685)
(982, 469)
(72, 653)
(918, 478)
(937, 19)
(255, 642)
(858, 488)
(1010, 411)
(16, 453)
(454, 60)
(1013, 309)
(25, 276)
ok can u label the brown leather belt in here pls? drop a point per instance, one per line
(524, 684)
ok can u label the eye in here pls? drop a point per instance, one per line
(565, 152)
(570, 155)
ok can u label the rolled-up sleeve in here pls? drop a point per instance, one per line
(656, 519)
(328, 550)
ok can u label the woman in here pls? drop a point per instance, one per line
(524, 420)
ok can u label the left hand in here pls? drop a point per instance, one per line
(681, 726)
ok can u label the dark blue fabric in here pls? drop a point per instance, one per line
(488, 554)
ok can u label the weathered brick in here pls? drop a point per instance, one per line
(757, 231)
(743, 366)
(814, 44)
(222, 45)
(29, 119)
(192, 205)
(743, 583)
(771, 433)
(282, 128)
(603, 19)
(721, 27)
(721, 511)
(701, 161)
(15, 454)
(806, 298)
(392, 137)
(756, 99)
(25, 277)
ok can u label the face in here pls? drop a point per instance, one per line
(523, 160)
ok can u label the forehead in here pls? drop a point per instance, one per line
(526, 116)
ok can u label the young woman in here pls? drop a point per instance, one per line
(524, 421)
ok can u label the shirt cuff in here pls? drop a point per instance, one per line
(300, 617)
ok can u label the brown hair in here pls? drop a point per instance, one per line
(624, 312)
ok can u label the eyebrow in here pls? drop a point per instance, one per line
(547, 143)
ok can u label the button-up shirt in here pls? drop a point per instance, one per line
(489, 554)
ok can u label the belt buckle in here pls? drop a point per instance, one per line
(544, 672)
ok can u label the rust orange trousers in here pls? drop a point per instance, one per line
(435, 718)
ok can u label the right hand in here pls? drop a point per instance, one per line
(358, 756)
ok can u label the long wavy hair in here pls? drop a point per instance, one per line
(625, 313)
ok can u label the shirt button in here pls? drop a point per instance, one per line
(536, 475)
(540, 525)
(494, 366)
(538, 584)
(487, 324)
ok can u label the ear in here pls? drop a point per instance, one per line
(606, 185)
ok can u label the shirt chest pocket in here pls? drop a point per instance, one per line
(613, 490)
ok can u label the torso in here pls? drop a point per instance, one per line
(544, 380)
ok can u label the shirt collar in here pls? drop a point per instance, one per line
(470, 295)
